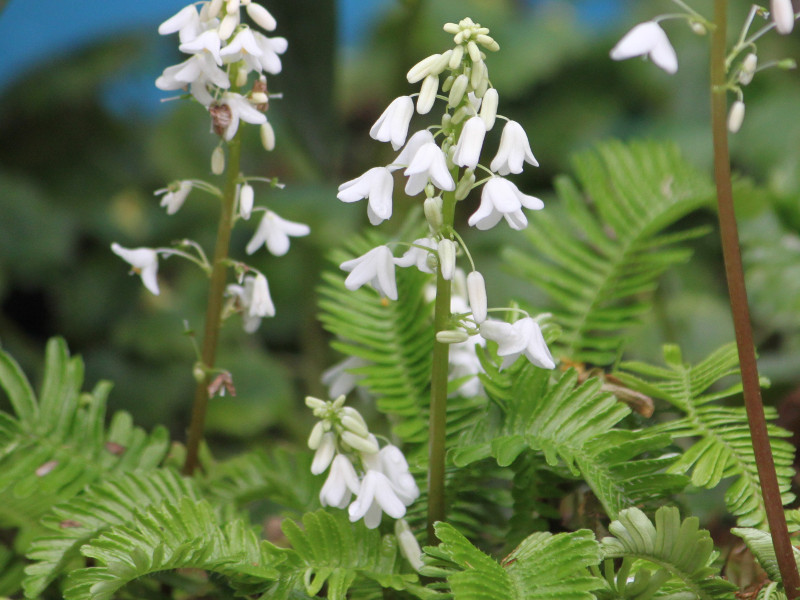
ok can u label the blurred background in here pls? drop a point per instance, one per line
(87, 139)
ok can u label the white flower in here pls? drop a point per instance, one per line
(501, 198)
(376, 185)
(428, 164)
(447, 257)
(274, 232)
(339, 379)
(143, 261)
(341, 483)
(261, 16)
(197, 72)
(418, 255)
(464, 362)
(647, 39)
(208, 41)
(246, 197)
(174, 196)
(470, 142)
(324, 453)
(782, 15)
(186, 22)
(514, 339)
(417, 141)
(375, 495)
(376, 267)
(270, 49)
(392, 125)
(476, 292)
(254, 299)
(395, 467)
(243, 46)
(513, 151)
(240, 109)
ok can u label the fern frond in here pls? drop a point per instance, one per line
(331, 550)
(722, 447)
(186, 534)
(600, 267)
(760, 544)
(572, 423)
(57, 443)
(84, 517)
(680, 551)
(542, 566)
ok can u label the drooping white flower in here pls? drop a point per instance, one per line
(514, 149)
(196, 72)
(394, 465)
(418, 255)
(174, 196)
(376, 185)
(143, 261)
(392, 125)
(341, 484)
(428, 164)
(782, 13)
(274, 231)
(241, 109)
(271, 48)
(376, 267)
(339, 379)
(376, 496)
(206, 42)
(186, 22)
(464, 362)
(415, 142)
(501, 198)
(325, 451)
(647, 39)
(514, 339)
(470, 142)
(243, 46)
(253, 299)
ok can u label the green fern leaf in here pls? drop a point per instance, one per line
(681, 552)
(722, 448)
(55, 445)
(84, 517)
(542, 566)
(600, 268)
(760, 544)
(186, 534)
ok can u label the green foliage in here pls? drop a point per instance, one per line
(760, 544)
(58, 443)
(571, 423)
(723, 447)
(599, 268)
(680, 551)
(185, 534)
(542, 566)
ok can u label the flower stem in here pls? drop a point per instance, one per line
(216, 292)
(741, 317)
(441, 365)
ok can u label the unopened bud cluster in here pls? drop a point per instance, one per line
(378, 477)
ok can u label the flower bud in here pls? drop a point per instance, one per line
(422, 69)
(246, 201)
(427, 94)
(353, 421)
(478, 74)
(315, 403)
(452, 336)
(448, 83)
(787, 64)
(748, 69)
(441, 64)
(433, 212)
(460, 115)
(474, 51)
(698, 27)
(241, 78)
(409, 547)
(465, 184)
(476, 294)
(258, 98)
(489, 108)
(447, 258)
(356, 442)
(267, 136)
(451, 28)
(261, 16)
(315, 438)
(456, 57)
(457, 91)
(324, 453)
(487, 42)
(228, 24)
(736, 116)
(218, 161)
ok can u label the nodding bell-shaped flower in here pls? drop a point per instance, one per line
(513, 151)
(143, 261)
(392, 125)
(274, 232)
(782, 13)
(240, 108)
(500, 198)
(419, 254)
(376, 496)
(376, 267)
(254, 299)
(174, 196)
(341, 484)
(325, 451)
(647, 39)
(521, 337)
(407, 154)
(470, 142)
(376, 185)
(428, 164)
(186, 22)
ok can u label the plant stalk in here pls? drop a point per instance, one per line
(741, 317)
(216, 293)
(439, 373)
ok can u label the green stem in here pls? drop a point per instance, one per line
(219, 276)
(441, 366)
(741, 316)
